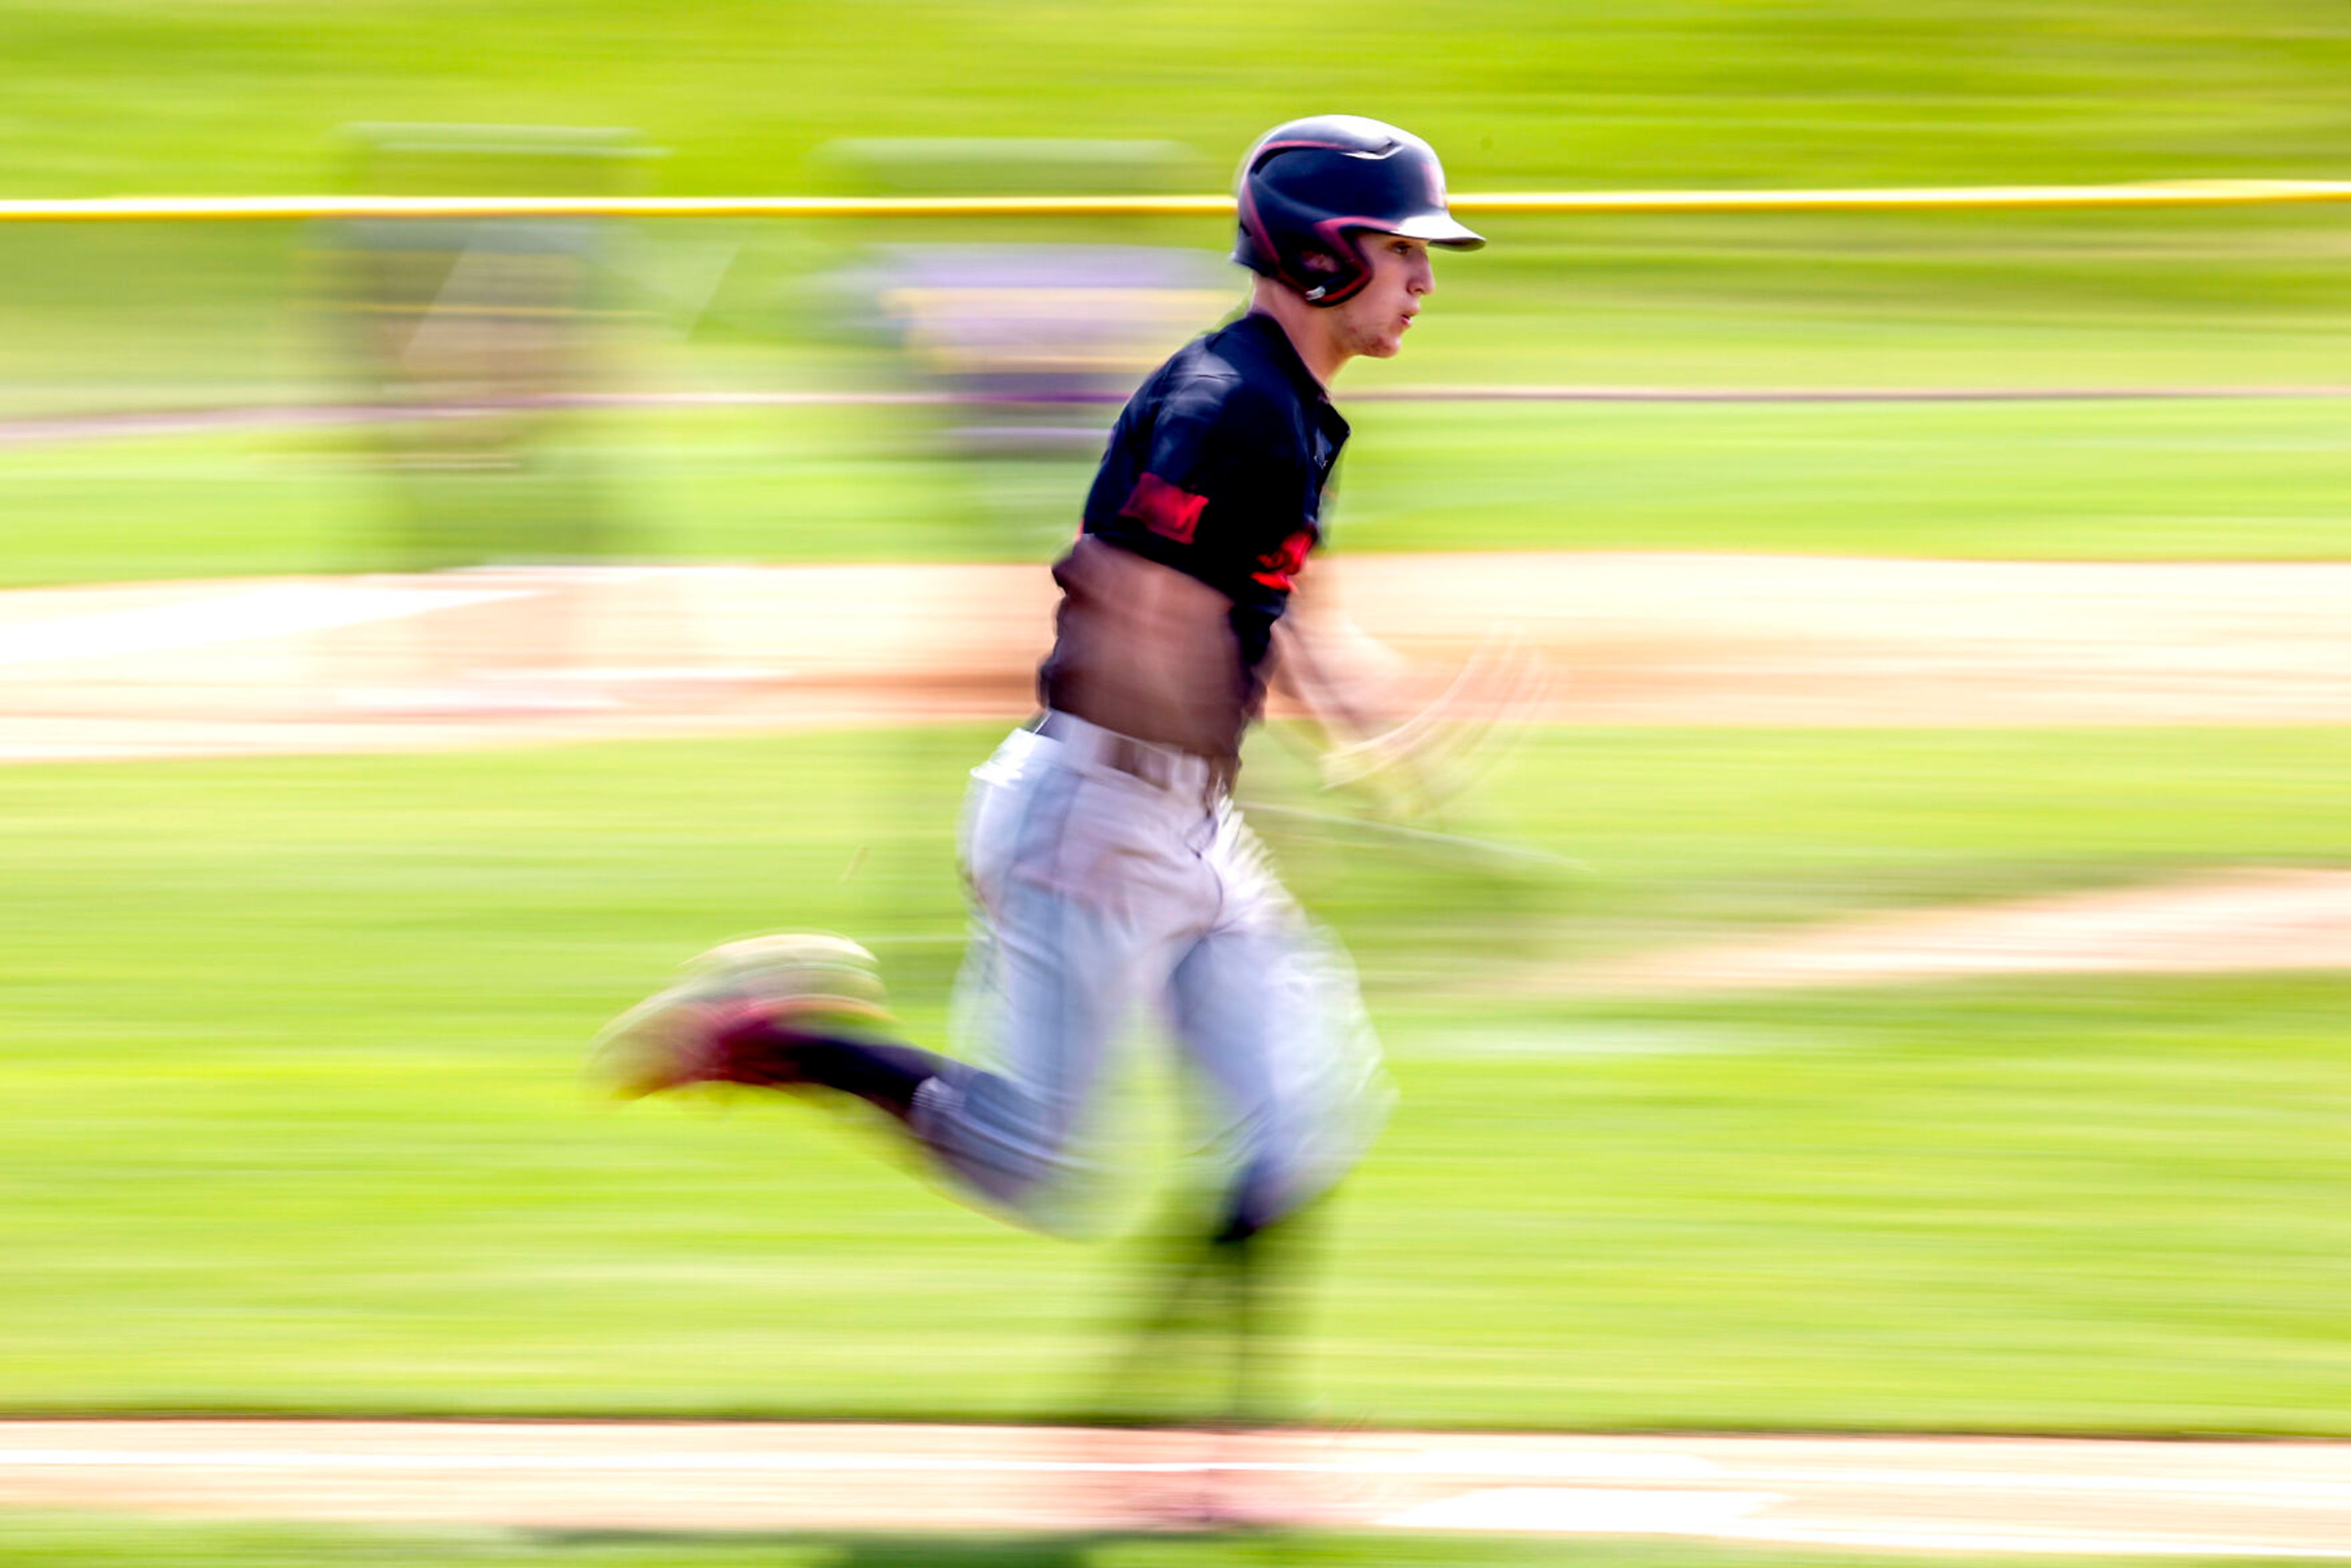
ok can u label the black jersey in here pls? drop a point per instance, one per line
(1217, 468)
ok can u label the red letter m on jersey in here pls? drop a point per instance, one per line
(1164, 509)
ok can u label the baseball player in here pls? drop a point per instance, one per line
(1107, 864)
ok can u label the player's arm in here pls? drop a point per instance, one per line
(1355, 691)
(1402, 735)
(1347, 681)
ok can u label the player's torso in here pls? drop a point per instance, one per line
(1215, 474)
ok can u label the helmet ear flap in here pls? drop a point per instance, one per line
(1321, 269)
(1281, 239)
(1331, 275)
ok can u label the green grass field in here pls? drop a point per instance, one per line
(109, 1545)
(2199, 479)
(2219, 301)
(138, 95)
(296, 1120)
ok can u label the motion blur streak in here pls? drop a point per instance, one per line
(1845, 860)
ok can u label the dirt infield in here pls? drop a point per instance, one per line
(507, 657)
(2273, 919)
(1983, 1495)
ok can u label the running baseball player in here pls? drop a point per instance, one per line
(1108, 864)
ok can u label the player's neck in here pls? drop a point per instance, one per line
(1310, 332)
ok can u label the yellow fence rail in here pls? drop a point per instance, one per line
(216, 209)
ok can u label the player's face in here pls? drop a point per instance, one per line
(1374, 320)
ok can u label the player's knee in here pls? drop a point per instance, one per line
(1017, 1151)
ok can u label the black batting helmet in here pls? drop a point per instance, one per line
(1307, 189)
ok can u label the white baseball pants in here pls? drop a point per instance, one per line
(1106, 872)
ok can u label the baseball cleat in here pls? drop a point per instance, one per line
(729, 1017)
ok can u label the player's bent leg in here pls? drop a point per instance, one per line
(1081, 883)
(1077, 891)
(803, 1012)
(1045, 994)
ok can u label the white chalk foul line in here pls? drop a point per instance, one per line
(1724, 1516)
(1555, 1467)
(2254, 1489)
(1560, 1467)
(1584, 1510)
(1692, 1496)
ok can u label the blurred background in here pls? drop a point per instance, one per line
(421, 635)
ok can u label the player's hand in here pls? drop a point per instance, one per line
(1415, 767)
